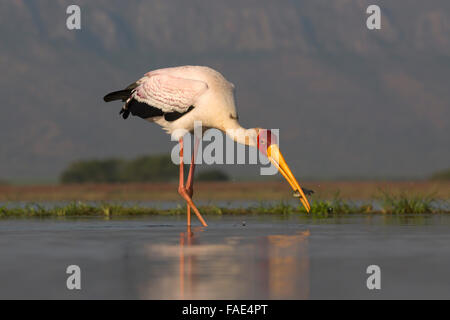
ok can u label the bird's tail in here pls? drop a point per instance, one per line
(123, 95)
(118, 95)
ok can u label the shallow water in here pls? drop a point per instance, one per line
(243, 257)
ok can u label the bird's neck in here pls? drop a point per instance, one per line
(241, 135)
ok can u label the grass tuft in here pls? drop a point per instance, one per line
(405, 204)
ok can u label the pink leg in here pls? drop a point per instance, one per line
(184, 192)
(190, 180)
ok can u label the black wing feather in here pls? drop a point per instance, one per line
(141, 109)
(118, 95)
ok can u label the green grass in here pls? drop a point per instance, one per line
(387, 204)
(404, 204)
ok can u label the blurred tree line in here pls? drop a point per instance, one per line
(443, 175)
(154, 168)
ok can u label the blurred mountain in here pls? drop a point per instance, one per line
(350, 102)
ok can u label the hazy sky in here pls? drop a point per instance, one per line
(349, 101)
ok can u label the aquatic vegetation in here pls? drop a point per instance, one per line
(387, 204)
(403, 203)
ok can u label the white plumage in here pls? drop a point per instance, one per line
(169, 93)
(177, 89)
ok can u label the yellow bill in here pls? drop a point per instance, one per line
(275, 156)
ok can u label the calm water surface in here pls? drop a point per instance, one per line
(250, 257)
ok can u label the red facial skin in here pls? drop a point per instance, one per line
(265, 139)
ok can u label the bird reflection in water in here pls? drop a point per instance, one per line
(272, 267)
(288, 274)
(186, 239)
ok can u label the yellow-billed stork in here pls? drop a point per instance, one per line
(176, 98)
